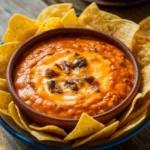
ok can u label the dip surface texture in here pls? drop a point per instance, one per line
(67, 76)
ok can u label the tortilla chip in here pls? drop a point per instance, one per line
(142, 53)
(124, 30)
(4, 112)
(50, 128)
(142, 40)
(130, 125)
(125, 115)
(6, 51)
(56, 10)
(70, 19)
(14, 115)
(109, 16)
(93, 17)
(110, 122)
(145, 85)
(3, 85)
(144, 27)
(5, 99)
(85, 126)
(137, 110)
(49, 24)
(21, 120)
(104, 133)
(20, 28)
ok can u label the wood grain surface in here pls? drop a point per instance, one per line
(31, 8)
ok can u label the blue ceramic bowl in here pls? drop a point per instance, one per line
(41, 146)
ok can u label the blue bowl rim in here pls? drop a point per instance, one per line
(98, 147)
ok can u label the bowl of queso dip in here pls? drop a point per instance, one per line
(58, 75)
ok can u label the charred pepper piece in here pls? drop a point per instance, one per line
(50, 73)
(78, 63)
(95, 85)
(71, 84)
(54, 87)
(66, 66)
(89, 79)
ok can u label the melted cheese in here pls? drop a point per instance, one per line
(103, 63)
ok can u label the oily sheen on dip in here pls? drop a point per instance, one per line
(67, 76)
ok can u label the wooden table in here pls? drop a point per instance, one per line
(31, 8)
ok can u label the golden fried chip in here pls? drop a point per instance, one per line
(14, 115)
(20, 28)
(24, 123)
(70, 19)
(139, 108)
(144, 27)
(125, 115)
(6, 51)
(142, 53)
(124, 30)
(93, 17)
(130, 125)
(142, 40)
(145, 85)
(85, 126)
(49, 24)
(56, 10)
(104, 133)
(109, 16)
(3, 85)
(110, 122)
(50, 128)
(5, 99)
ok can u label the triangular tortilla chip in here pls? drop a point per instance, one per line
(145, 85)
(142, 40)
(49, 128)
(110, 122)
(104, 133)
(6, 51)
(142, 53)
(144, 27)
(49, 24)
(130, 125)
(109, 16)
(3, 85)
(20, 28)
(56, 10)
(70, 19)
(124, 30)
(14, 115)
(5, 99)
(92, 16)
(138, 110)
(85, 126)
(125, 115)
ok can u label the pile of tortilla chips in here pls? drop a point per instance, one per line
(88, 131)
